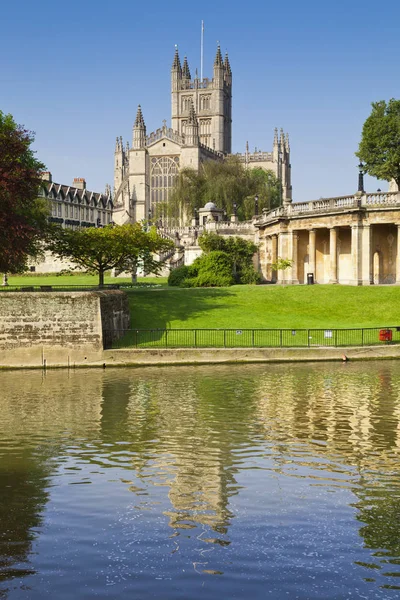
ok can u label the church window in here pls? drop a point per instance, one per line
(205, 102)
(186, 102)
(164, 170)
(205, 132)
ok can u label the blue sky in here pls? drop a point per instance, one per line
(74, 72)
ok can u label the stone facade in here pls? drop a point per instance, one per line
(351, 240)
(59, 326)
(201, 130)
(72, 206)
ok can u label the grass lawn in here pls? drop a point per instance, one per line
(76, 279)
(267, 306)
(241, 307)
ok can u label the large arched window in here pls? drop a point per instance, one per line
(164, 170)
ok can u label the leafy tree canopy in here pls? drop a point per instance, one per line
(23, 216)
(225, 183)
(98, 250)
(379, 148)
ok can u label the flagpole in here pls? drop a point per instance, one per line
(201, 50)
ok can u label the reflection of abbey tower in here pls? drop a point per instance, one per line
(201, 130)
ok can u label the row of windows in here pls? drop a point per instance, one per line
(81, 213)
(204, 102)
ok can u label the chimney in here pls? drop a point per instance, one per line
(79, 183)
(46, 176)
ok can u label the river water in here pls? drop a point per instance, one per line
(249, 481)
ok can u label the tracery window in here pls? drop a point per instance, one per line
(186, 102)
(205, 101)
(164, 170)
(205, 132)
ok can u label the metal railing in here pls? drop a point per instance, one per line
(251, 338)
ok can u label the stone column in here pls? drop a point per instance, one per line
(274, 257)
(294, 269)
(356, 231)
(312, 252)
(398, 254)
(366, 257)
(333, 235)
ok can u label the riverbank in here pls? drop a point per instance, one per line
(39, 359)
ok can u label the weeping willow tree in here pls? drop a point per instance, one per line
(226, 183)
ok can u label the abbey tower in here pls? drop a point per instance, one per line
(201, 129)
(211, 98)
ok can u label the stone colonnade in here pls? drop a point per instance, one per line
(354, 253)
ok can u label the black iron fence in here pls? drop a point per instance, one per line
(251, 338)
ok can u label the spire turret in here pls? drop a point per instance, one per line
(192, 128)
(287, 144)
(139, 131)
(139, 121)
(282, 141)
(176, 65)
(218, 62)
(227, 64)
(185, 69)
(219, 71)
(192, 115)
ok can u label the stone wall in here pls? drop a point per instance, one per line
(59, 327)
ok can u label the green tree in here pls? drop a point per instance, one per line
(281, 264)
(122, 247)
(226, 183)
(23, 215)
(379, 148)
(240, 251)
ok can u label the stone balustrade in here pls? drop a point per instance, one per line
(339, 203)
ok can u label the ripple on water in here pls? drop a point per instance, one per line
(252, 481)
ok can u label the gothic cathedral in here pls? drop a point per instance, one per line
(201, 129)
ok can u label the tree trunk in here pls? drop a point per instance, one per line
(101, 278)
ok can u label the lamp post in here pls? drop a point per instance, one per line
(361, 177)
(256, 205)
(235, 209)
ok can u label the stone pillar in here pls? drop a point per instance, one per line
(333, 235)
(312, 252)
(294, 269)
(356, 231)
(274, 256)
(398, 254)
(366, 257)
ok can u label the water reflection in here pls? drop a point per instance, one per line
(249, 461)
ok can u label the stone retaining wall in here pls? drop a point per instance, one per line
(59, 327)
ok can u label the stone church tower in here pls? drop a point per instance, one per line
(211, 98)
(201, 130)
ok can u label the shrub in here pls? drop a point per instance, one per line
(177, 276)
(214, 270)
(248, 275)
(209, 279)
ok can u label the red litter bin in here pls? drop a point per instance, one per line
(385, 335)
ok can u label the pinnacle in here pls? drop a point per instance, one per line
(218, 62)
(139, 121)
(192, 115)
(227, 64)
(185, 69)
(177, 63)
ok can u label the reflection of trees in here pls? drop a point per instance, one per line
(38, 415)
(351, 415)
(23, 481)
(191, 429)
